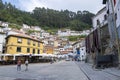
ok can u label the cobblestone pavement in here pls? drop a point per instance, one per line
(99, 74)
(63, 70)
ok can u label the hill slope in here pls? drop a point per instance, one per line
(46, 18)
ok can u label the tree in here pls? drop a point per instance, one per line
(46, 18)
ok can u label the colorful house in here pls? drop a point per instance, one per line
(48, 49)
(17, 44)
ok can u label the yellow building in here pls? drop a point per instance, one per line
(20, 43)
(23, 44)
(48, 49)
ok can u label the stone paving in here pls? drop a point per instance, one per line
(114, 71)
(63, 70)
(99, 74)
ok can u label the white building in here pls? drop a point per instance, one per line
(113, 12)
(117, 15)
(6, 29)
(44, 34)
(81, 46)
(75, 46)
(61, 49)
(1, 29)
(75, 33)
(85, 32)
(82, 53)
(100, 18)
(25, 26)
(65, 32)
(4, 24)
(36, 28)
(68, 32)
(2, 41)
(14, 32)
(35, 34)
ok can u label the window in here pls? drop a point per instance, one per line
(28, 50)
(38, 44)
(98, 22)
(28, 42)
(19, 40)
(33, 43)
(38, 51)
(18, 49)
(105, 17)
(33, 51)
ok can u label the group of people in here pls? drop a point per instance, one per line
(19, 65)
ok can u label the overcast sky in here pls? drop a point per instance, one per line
(72, 5)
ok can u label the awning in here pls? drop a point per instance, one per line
(6, 55)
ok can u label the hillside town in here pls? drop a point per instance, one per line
(94, 55)
(100, 47)
(38, 44)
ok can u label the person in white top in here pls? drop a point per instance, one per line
(26, 64)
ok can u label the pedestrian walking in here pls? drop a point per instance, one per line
(26, 64)
(52, 60)
(19, 65)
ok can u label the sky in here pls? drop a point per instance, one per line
(72, 5)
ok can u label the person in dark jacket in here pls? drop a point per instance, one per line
(19, 65)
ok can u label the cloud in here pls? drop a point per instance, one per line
(29, 5)
(75, 5)
(72, 5)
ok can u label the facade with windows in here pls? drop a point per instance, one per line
(24, 44)
(79, 48)
(48, 49)
(2, 42)
(100, 18)
(117, 15)
(113, 12)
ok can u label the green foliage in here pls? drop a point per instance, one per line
(14, 26)
(46, 18)
(75, 38)
(31, 31)
(52, 31)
